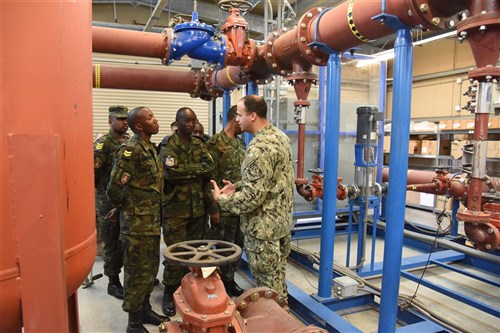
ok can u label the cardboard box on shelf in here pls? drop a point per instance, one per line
(414, 147)
(459, 124)
(469, 124)
(429, 147)
(456, 148)
(494, 123)
(387, 144)
(445, 147)
(446, 125)
(493, 149)
(462, 137)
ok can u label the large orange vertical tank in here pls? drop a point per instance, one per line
(46, 179)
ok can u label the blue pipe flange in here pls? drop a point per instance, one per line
(189, 36)
(213, 52)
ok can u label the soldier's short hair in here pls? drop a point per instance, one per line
(231, 114)
(132, 117)
(181, 113)
(257, 104)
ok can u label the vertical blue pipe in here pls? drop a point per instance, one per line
(330, 176)
(383, 213)
(361, 227)
(376, 210)
(226, 105)
(349, 235)
(321, 97)
(252, 89)
(321, 121)
(400, 134)
(382, 103)
(454, 210)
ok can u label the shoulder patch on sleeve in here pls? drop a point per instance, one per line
(99, 146)
(97, 163)
(170, 161)
(125, 178)
(127, 153)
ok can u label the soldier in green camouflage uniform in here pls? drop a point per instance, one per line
(265, 198)
(105, 149)
(187, 167)
(228, 150)
(135, 190)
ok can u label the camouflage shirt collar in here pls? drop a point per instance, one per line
(226, 137)
(145, 145)
(115, 138)
(176, 141)
(265, 128)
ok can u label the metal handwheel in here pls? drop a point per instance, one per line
(242, 5)
(202, 253)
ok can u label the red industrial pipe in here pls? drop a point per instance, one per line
(48, 242)
(116, 77)
(482, 30)
(136, 43)
(258, 304)
(444, 183)
(198, 83)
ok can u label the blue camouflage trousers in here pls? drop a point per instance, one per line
(141, 259)
(267, 262)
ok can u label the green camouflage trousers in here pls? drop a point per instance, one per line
(112, 252)
(141, 259)
(267, 262)
(177, 230)
(227, 230)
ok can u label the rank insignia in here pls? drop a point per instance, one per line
(99, 146)
(127, 153)
(170, 161)
(125, 178)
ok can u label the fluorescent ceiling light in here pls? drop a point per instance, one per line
(387, 55)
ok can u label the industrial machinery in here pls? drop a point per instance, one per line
(204, 305)
(50, 228)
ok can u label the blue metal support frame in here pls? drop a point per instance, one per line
(321, 127)
(331, 174)
(382, 103)
(453, 294)
(461, 271)
(226, 105)
(403, 68)
(311, 311)
(454, 220)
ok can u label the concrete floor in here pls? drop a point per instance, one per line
(100, 312)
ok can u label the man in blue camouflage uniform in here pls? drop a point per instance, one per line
(228, 151)
(105, 149)
(135, 190)
(187, 167)
(265, 198)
